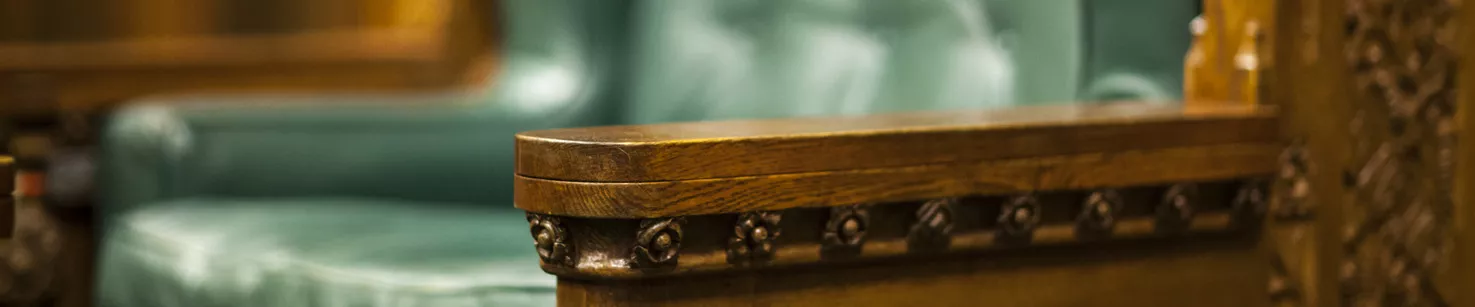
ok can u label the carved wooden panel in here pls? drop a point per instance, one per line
(1368, 179)
(1398, 182)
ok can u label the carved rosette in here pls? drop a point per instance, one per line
(1019, 218)
(550, 239)
(934, 226)
(577, 246)
(658, 244)
(1098, 214)
(845, 231)
(753, 237)
(1175, 212)
(1250, 203)
(1295, 167)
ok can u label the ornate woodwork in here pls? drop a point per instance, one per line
(1398, 181)
(711, 199)
(845, 230)
(754, 238)
(1367, 199)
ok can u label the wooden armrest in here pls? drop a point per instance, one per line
(667, 170)
(659, 200)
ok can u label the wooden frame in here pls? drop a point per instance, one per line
(1373, 114)
(745, 212)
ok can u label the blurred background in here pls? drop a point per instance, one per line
(414, 103)
(80, 54)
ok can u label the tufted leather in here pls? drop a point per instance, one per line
(714, 59)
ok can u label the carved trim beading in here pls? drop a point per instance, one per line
(934, 225)
(1019, 218)
(845, 230)
(658, 244)
(550, 238)
(753, 237)
(1175, 212)
(1098, 214)
(839, 233)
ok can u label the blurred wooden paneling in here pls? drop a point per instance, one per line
(151, 47)
(1231, 52)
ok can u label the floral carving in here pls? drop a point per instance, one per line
(1175, 212)
(550, 238)
(1019, 218)
(934, 226)
(1098, 213)
(845, 231)
(753, 237)
(658, 243)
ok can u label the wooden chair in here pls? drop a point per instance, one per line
(1102, 205)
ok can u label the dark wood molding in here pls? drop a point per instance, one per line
(602, 248)
(1175, 272)
(706, 198)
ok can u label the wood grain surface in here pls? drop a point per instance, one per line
(1184, 273)
(840, 188)
(710, 150)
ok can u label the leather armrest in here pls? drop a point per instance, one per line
(425, 147)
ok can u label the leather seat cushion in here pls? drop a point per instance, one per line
(320, 252)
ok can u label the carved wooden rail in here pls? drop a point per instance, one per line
(614, 203)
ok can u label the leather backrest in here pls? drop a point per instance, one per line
(1136, 49)
(720, 59)
(450, 146)
(600, 62)
(723, 59)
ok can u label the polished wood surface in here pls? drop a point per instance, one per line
(874, 185)
(766, 147)
(1179, 273)
(739, 166)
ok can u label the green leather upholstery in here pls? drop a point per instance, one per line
(716, 59)
(320, 252)
(353, 199)
(404, 199)
(1136, 49)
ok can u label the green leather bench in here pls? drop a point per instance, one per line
(361, 200)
